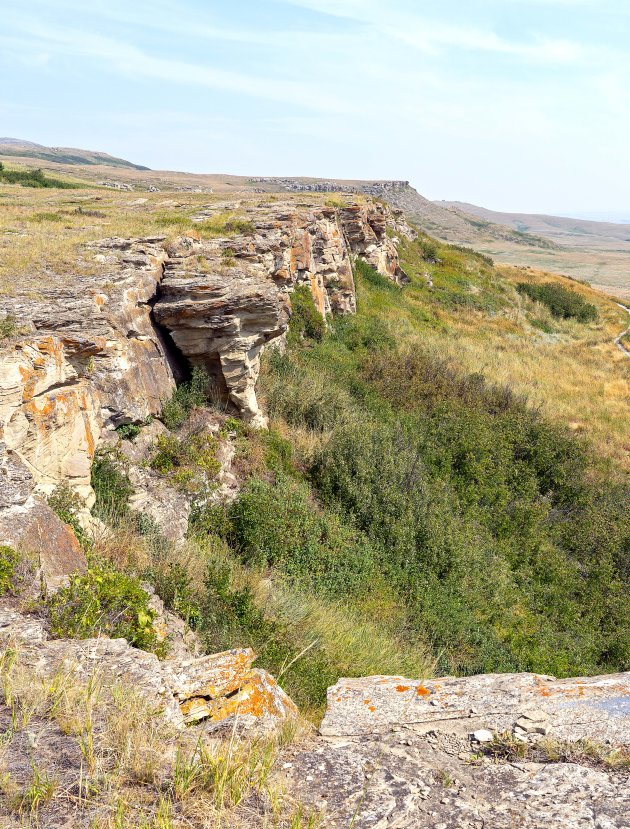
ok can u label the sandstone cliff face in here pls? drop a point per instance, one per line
(105, 351)
(222, 300)
(91, 358)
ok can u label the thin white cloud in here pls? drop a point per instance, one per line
(433, 36)
(134, 62)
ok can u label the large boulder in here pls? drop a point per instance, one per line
(213, 692)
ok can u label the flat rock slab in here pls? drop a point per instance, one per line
(409, 781)
(597, 708)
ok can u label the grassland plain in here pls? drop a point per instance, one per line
(444, 484)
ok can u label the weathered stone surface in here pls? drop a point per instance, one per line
(28, 524)
(91, 357)
(224, 686)
(405, 753)
(34, 529)
(214, 690)
(412, 782)
(593, 707)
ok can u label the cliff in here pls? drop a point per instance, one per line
(400, 518)
(107, 351)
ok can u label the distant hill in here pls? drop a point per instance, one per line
(19, 148)
(561, 229)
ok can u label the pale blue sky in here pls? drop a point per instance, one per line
(513, 104)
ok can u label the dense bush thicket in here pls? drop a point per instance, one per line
(33, 178)
(491, 525)
(561, 302)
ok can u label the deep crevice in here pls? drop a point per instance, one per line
(177, 361)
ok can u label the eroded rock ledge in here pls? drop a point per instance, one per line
(406, 753)
(97, 352)
(223, 299)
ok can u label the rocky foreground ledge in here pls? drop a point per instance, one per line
(495, 751)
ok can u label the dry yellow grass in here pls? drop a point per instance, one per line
(132, 769)
(576, 375)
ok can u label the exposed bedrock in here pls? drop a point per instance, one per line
(223, 299)
(414, 754)
(89, 357)
(99, 351)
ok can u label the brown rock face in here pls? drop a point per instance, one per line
(223, 299)
(30, 525)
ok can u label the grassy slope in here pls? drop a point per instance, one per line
(402, 516)
(482, 533)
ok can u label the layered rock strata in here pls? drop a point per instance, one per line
(224, 299)
(96, 352)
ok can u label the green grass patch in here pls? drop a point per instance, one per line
(188, 395)
(112, 487)
(306, 321)
(9, 561)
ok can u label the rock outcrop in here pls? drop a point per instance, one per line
(223, 299)
(594, 707)
(213, 691)
(498, 750)
(95, 353)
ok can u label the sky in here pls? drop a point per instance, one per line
(520, 105)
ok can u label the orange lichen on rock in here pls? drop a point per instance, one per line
(223, 685)
(421, 691)
(401, 688)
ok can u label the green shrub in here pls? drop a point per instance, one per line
(9, 560)
(278, 525)
(104, 601)
(34, 178)
(363, 271)
(306, 321)
(561, 302)
(189, 463)
(67, 505)
(209, 519)
(8, 327)
(128, 431)
(474, 507)
(174, 586)
(112, 487)
(187, 396)
(428, 248)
